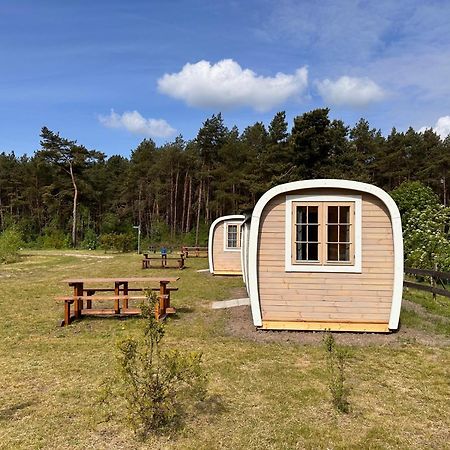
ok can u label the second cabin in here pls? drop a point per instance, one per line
(224, 245)
(325, 254)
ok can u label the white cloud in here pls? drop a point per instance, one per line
(442, 127)
(133, 122)
(226, 85)
(350, 91)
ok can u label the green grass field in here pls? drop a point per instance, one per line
(262, 395)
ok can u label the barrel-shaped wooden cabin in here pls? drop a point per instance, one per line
(325, 254)
(224, 245)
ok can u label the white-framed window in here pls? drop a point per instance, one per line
(323, 233)
(232, 237)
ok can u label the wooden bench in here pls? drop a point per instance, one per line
(121, 297)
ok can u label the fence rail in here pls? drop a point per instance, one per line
(436, 277)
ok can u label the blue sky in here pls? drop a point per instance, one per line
(111, 73)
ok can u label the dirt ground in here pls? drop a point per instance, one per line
(240, 324)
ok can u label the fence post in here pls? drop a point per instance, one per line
(433, 279)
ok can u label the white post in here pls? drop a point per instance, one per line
(138, 227)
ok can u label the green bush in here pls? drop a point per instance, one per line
(336, 361)
(10, 243)
(203, 232)
(90, 241)
(425, 225)
(159, 232)
(426, 238)
(413, 196)
(53, 238)
(123, 242)
(157, 386)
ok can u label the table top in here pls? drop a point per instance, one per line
(123, 280)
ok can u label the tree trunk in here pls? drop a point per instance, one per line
(183, 216)
(2, 220)
(170, 213)
(188, 213)
(444, 185)
(74, 211)
(175, 195)
(234, 199)
(139, 205)
(207, 204)
(198, 211)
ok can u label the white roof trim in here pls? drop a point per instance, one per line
(211, 236)
(335, 184)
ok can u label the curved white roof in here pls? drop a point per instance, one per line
(211, 236)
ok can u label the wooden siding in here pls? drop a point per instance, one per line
(224, 261)
(327, 297)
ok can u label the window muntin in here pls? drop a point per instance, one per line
(323, 233)
(233, 236)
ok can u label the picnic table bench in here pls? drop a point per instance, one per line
(162, 262)
(122, 294)
(198, 252)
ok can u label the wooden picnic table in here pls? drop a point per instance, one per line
(121, 291)
(162, 262)
(199, 252)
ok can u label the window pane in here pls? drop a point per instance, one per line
(300, 250)
(344, 214)
(313, 214)
(301, 214)
(344, 252)
(344, 233)
(332, 233)
(333, 214)
(313, 233)
(313, 252)
(332, 252)
(301, 233)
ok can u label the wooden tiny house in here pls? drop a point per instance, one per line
(224, 245)
(325, 254)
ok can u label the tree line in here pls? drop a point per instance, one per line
(65, 191)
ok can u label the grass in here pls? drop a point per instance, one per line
(423, 312)
(261, 395)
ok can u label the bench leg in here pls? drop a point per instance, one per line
(67, 313)
(89, 302)
(164, 301)
(125, 292)
(78, 304)
(116, 302)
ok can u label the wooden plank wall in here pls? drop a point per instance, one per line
(224, 261)
(345, 297)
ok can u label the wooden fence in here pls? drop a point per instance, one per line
(437, 278)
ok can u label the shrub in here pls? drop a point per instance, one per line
(53, 238)
(426, 239)
(412, 196)
(336, 361)
(123, 242)
(10, 243)
(425, 226)
(90, 241)
(157, 386)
